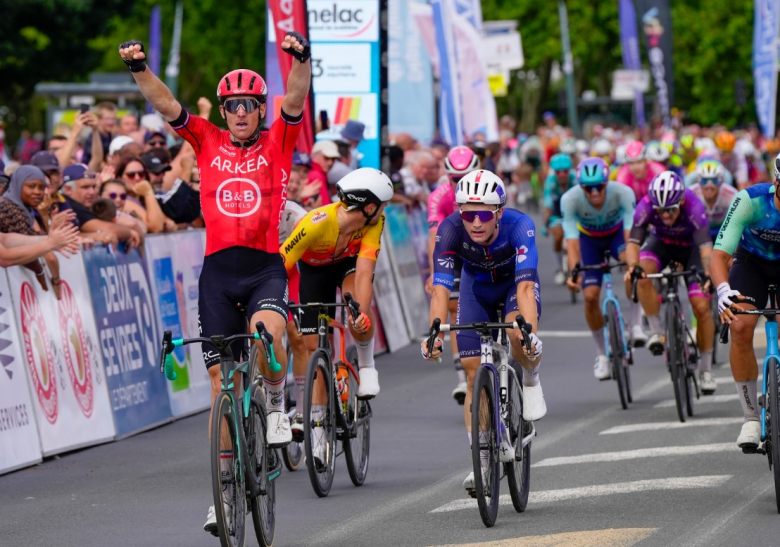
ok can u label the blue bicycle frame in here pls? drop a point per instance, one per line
(770, 328)
(609, 296)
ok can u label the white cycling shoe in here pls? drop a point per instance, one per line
(459, 393)
(210, 525)
(560, 278)
(601, 368)
(656, 344)
(638, 336)
(749, 436)
(707, 382)
(278, 433)
(534, 407)
(369, 383)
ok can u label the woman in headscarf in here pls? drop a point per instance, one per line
(18, 214)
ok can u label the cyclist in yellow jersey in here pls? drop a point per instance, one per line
(337, 246)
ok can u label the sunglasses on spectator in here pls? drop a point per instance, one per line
(250, 104)
(115, 195)
(483, 216)
(135, 174)
(667, 210)
(156, 143)
(594, 188)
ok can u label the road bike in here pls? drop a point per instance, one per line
(616, 343)
(332, 411)
(243, 466)
(769, 400)
(499, 432)
(682, 352)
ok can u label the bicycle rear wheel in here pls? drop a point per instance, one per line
(292, 455)
(266, 469)
(773, 420)
(227, 478)
(674, 359)
(484, 451)
(518, 473)
(319, 423)
(617, 359)
(357, 435)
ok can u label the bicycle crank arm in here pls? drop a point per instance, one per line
(528, 438)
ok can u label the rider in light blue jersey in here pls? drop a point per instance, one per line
(560, 179)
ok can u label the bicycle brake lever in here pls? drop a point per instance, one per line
(352, 304)
(435, 329)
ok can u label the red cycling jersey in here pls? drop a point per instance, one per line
(242, 190)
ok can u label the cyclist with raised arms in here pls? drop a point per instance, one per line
(597, 217)
(495, 248)
(711, 189)
(670, 224)
(751, 235)
(637, 172)
(441, 204)
(556, 184)
(244, 172)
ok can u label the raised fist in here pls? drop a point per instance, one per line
(296, 45)
(132, 53)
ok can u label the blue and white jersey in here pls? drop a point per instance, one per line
(580, 217)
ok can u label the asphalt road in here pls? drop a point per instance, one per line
(601, 475)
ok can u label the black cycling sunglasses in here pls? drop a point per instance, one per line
(250, 104)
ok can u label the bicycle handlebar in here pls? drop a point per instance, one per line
(602, 267)
(638, 273)
(349, 302)
(724, 328)
(483, 326)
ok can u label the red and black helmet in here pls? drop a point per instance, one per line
(241, 81)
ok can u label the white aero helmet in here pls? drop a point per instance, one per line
(481, 186)
(655, 151)
(601, 147)
(363, 186)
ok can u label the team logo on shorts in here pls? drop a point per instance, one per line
(238, 197)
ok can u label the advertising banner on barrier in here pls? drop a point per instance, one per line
(403, 260)
(174, 262)
(19, 442)
(60, 348)
(387, 298)
(122, 299)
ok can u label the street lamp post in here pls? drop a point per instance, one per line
(568, 68)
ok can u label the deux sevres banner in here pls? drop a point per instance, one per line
(657, 27)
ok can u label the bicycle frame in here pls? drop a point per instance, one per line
(610, 297)
(771, 351)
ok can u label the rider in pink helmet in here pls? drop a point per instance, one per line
(459, 161)
(638, 172)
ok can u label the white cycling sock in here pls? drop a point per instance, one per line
(317, 412)
(365, 351)
(705, 361)
(274, 394)
(747, 392)
(635, 313)
(300, 385)
(459, 369)
(655, 324)
(531, 376)
(598, 337)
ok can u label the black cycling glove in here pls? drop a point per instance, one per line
(135, 65)
(304, 55)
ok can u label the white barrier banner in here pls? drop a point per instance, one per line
(174, 263)
(19, 441)
(387, 300)
(60, 346)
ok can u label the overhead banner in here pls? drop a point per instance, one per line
(629, 42)
(409, 75)
(19, 442)
(657, 28)
(175, 262)
(60, 349)
(129, 338)
(765, 29)
(285, 16)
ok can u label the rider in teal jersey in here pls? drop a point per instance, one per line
(597, 217)
(560, 179)
(751, 235)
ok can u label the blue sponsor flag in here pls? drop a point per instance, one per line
(765, 63)
(450, 119)
(629, 41)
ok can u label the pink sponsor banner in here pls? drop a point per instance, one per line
(60, 352)
(19, 442)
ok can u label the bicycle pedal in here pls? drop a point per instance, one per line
(749, 449)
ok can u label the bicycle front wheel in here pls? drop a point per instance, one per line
(617, 359)
(266, 470)
(357, 434)
(518, 473)
(319, 423)
(484, 450)
(227, 478)
(773, 423)
(675, 359)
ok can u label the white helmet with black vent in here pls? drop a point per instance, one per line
(481, 186)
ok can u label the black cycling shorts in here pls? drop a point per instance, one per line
(750, 275)
(234, 284)
(319, 284)
(662, 254)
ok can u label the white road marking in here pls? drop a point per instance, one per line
(638, 453)
(564, 334)
(654, 426)
(711, 399)
(598, 490)
(728, 380)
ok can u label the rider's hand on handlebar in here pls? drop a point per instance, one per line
(536, 345)
(725, 300)
(437, 349)
(573, 284)
(361, 324)
(630, 272)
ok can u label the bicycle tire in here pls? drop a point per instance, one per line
(518, 473)
(773, 409)
(265, 461)
(689, 379)
(357, 434)
(228, 484)
(716, 321)
(292, 456)
(483, 420)
(320, 429)
(674, 357)
(616, 356)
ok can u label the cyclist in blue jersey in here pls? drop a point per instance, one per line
(751, 235)
(495, 250)
(597, 217)
(560, 179)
